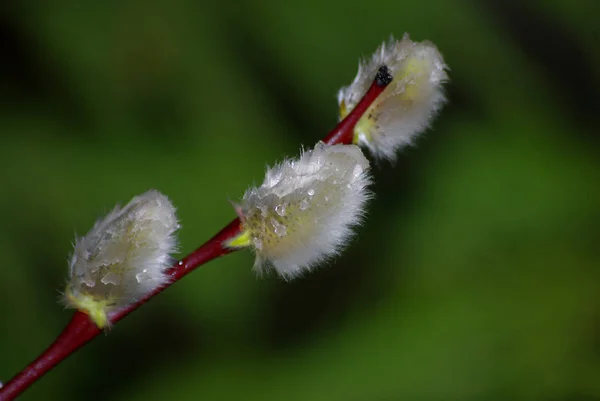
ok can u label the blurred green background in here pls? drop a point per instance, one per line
(475, 277)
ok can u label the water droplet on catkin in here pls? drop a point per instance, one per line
(142, 276)
(280, 229)
(280, 209)
(304, 204)
(111, 278)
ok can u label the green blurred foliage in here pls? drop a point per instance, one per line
(475, 277)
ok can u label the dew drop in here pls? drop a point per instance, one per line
(280, 209)
(142, 276)
(327, 199)
(304, 204)
(311, 192)
(358, 170)
(111, 278)
(88, 281)
(280, 229)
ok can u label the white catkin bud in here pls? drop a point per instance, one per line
(305, 210)
(123, 257)
(407, 105)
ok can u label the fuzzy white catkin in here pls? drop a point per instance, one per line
(124, 256)
(305, 210)
(407, 105)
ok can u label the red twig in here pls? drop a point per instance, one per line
(81, 329)
(344, 131)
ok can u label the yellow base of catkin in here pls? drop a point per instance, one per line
(407, 105)
(305, 210)
(123, 257)
(95, 309)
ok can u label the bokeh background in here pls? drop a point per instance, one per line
(475, 277)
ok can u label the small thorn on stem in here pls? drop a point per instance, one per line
(383, 77)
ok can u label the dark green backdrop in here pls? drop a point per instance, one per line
(475, 277)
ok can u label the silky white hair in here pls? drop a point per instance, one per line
(304, 211)
(125, 255)
(407, 105)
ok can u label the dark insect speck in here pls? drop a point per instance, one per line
(383, 77)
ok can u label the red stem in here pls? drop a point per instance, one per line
(344, 132)
(81, 329)
(212, 249)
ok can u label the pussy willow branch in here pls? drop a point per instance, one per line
(80, 330)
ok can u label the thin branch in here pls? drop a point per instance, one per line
(81, 329)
